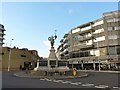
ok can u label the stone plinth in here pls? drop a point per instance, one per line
(52, 64)
(52, 55)
(52, 59)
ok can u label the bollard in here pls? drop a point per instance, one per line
(85, 70)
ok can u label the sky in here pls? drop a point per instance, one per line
(31, 23)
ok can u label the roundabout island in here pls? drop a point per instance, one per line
(53, 69)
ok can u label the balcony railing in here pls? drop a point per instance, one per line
(84, 38)
(86, 46)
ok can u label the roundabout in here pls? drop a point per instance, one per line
(53, 68)
(35, 74)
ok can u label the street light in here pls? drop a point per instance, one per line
(9, 55)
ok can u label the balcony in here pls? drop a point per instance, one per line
(84, 38)
(61, 41)
(2, 29)
(1, 42)
(2, 33)
(65, 44)
(65, 40)
(82, 47)
(65, 35)
(85, 31)
(1, 38)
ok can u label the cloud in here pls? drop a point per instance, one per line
(70, 11)
(47, 43)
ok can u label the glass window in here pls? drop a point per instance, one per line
(110, 20)
(23, 55)
(117, 19)
(110, 28)
(112, 50)
(118, 50)
(112, 37)
(117, 27)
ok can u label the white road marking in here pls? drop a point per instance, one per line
(87, 84)
(45, 79)
(66, 82)
(116, 88)
(56, 81)
(102, 86)
(59, 80)
(48, 80)
(74, 83)
(79, 82)
(42, 79)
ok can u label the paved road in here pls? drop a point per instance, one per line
(94, 80)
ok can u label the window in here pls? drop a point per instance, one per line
(117, 27)
(112, 37)
(118, 50)
(43, 63)
(110, 28)
(112, 51)
(23, 55)
(52, 63)
(117, 19)
(2, 53)
(110, 20)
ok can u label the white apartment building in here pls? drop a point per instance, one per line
(94, 44)
(1, 34)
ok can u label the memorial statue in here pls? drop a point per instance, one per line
(52, 40)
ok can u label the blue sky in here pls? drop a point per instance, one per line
(31, 23)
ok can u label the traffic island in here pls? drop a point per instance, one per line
(38, 74)
(54, 68)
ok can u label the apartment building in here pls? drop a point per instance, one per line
(93, 45)
(62, 50)
(15, 58)
(2, 29)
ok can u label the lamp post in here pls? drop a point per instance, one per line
(9, 55)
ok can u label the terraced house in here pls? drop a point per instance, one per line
(93, 45)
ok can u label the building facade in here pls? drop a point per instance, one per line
(15, 58)
(93, 45)
(2, 29)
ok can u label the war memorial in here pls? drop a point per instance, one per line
(52, 68)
